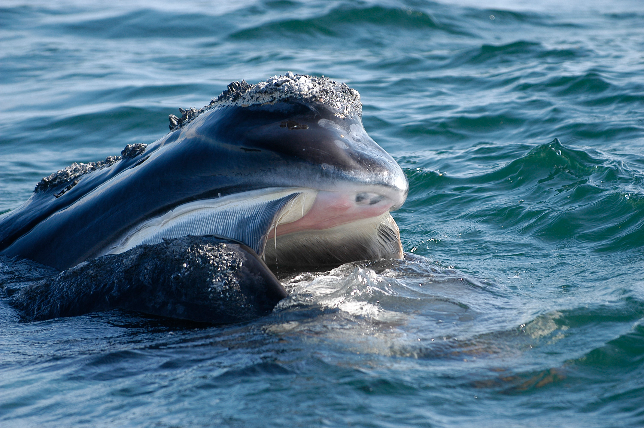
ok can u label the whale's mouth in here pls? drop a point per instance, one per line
(291, 227)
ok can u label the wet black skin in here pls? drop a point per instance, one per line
(174, 279)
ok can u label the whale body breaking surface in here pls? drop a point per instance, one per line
(278, 174)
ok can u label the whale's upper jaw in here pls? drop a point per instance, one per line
(303, 144)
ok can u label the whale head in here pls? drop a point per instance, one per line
(283, 166)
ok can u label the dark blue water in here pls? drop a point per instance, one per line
(520, 126)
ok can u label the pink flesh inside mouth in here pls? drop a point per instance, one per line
(331, 209)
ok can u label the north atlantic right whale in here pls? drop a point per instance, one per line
(283, 168)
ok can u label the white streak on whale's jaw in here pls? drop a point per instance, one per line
(246, 217)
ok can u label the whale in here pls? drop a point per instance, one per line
(283, 169)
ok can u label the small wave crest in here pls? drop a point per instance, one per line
(554, 193)
(385, 307)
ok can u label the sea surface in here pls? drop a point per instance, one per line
(520, 127)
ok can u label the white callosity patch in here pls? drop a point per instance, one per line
(342, 100)
(72, 173)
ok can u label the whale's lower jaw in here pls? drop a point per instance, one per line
(367, 239)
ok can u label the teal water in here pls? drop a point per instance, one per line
(520, 126)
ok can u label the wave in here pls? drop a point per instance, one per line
(346, 21)
(553, 193)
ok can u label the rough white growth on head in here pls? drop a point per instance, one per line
(70, 174)
(338, 97)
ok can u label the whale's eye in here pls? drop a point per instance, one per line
(291, 124)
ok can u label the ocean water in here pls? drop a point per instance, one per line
(520, 126)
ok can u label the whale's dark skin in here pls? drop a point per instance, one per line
(291, 141)
(175, 279)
